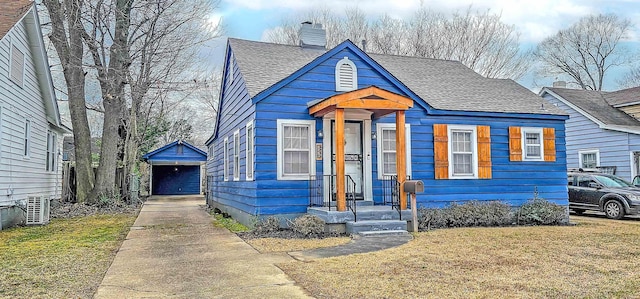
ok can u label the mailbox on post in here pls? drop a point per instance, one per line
(413, 186)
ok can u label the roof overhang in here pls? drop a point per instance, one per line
(377, 100)
(601, 125)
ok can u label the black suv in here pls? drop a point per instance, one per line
(602, 192)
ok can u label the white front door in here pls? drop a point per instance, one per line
(353, 154)
(357, 152)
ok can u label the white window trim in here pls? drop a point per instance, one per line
(354, 82)
(211, 151)
(385, 126)
(27, 138)
(250, 159)
(590, 151)
(225, 158)
(50, 159)
(11, 49)
(474, 154)
(312, 148)
(236, 155)
(523, 137)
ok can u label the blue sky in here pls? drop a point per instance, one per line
(535, 20)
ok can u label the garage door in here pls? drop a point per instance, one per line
(176, 180)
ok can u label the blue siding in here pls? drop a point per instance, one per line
(236, 110)
(583, 134)
(175, 152)
(512, 182)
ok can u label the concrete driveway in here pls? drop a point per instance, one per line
(173, 250)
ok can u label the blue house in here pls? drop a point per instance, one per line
(304, 126)
(175, 169)
(601, 133)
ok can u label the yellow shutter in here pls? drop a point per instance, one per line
(440, 151)
(515, 144)
(484, 152)
(549, 144)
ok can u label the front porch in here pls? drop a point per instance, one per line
(346, 148)
(366, 219)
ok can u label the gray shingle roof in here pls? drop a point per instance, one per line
(11, 12)
(594, 103)
(624, 96)
(443, 84)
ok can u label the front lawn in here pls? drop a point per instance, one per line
(65, 259)
(598, 258)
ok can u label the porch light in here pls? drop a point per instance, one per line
(373, 135)
(320, 134)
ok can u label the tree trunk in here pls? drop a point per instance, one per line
(70, 51)
(112, 83)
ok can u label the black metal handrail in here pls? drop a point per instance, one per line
(316, 191)
(391, 192)
(351, 195)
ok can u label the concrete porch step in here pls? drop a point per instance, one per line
(375, 225)
(363, 213)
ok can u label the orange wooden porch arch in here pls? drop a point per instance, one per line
(380, 102)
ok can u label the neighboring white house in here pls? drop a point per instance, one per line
(30, 126)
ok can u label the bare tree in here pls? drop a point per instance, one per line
(65, 20)
(630, 79)
(480, 40)
(586, 50)
(107, 40)
(387, 36)
(138, 50)
(165, 42)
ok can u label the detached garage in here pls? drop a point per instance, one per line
(175, 169)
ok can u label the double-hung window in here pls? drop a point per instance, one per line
(532, 144)
(386, 138)
(236, 155)
(249, 150)
(225, 156)
(51, 151)
(211, 152)
(27, 137)
(295, 157)
(463, 152)
(463, 149)
(589, 159)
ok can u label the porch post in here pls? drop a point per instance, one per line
(401, 157)
(340, 188)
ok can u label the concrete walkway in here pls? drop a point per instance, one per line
(358, 244)
(173, 250)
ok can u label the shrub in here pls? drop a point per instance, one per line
(268, 225)
(539, 211)
(308, 226)
(473, 213)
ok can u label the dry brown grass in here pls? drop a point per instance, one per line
(265, 245)
(64, 259)
(598, 258)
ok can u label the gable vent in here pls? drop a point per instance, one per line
(346, 75)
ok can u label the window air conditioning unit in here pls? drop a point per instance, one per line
(37, 210)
